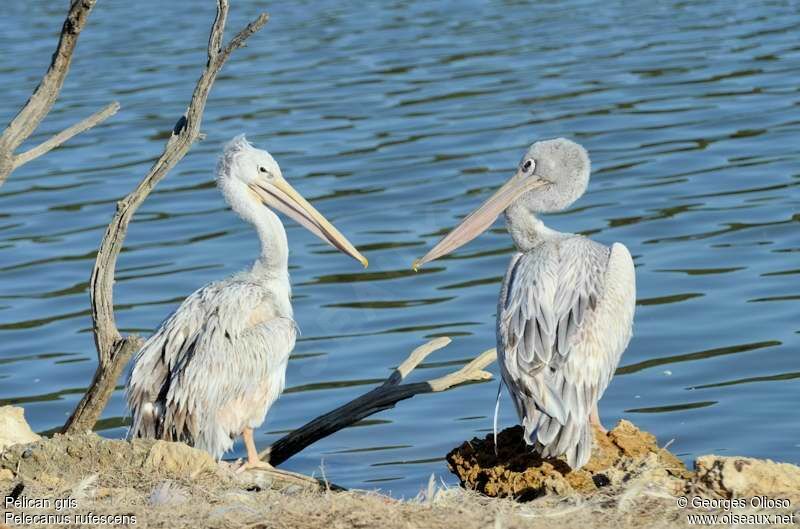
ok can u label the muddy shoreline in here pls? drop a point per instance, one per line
(630, 482)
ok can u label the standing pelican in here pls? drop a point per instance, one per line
(565, 312)
(213, 368)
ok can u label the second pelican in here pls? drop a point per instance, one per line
(565, 312)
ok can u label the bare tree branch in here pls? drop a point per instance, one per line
(114, 350)
(66, 134)
(381, 398)
(41, 101)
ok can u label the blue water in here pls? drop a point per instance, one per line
(395, 119)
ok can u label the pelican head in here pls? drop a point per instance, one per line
(250, 178)
(551, 175)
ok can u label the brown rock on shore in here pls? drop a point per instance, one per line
(517, 472)
(745, 477)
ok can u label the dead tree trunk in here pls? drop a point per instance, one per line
(114, 350)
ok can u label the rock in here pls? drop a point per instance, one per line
(178, 459)
(6, 474)
(14, 428)
(746, 477)
(518, 472)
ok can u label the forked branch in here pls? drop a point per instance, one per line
(114, 350)
(41, 101)
(381, 398)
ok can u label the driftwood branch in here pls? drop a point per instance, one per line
(41, 101)
(381, 398)
(114, 350)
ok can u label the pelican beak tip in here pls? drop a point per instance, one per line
(416, 265)
(364, 261)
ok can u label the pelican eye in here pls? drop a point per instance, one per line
(262, 169)
(529, 165)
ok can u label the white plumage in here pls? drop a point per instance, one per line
(214, 367)
(565, 312)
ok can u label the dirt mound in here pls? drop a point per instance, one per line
(69, 465)
(517, 472)
(59, 463)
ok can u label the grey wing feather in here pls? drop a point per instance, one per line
(157, 363)
(553, 362)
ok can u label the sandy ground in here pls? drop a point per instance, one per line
(159, 484)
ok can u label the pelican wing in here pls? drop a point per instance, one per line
(160, 359)
(214, 366)
(564, 319)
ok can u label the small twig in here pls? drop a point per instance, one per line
(41, 101)
(471, 371)
(66, 134)
(378, 399)
(114, 350)
(277, 478)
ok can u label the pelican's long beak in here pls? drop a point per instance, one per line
(482, 218)
(278, 194)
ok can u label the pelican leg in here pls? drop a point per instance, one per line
(253, 461)
(594, 418)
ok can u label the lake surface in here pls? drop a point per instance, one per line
(395, 120)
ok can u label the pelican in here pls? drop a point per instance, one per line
(565, 312)
(215, 366)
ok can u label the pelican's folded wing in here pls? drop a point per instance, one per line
(160, 358)
(179, 366)
(552, 359)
